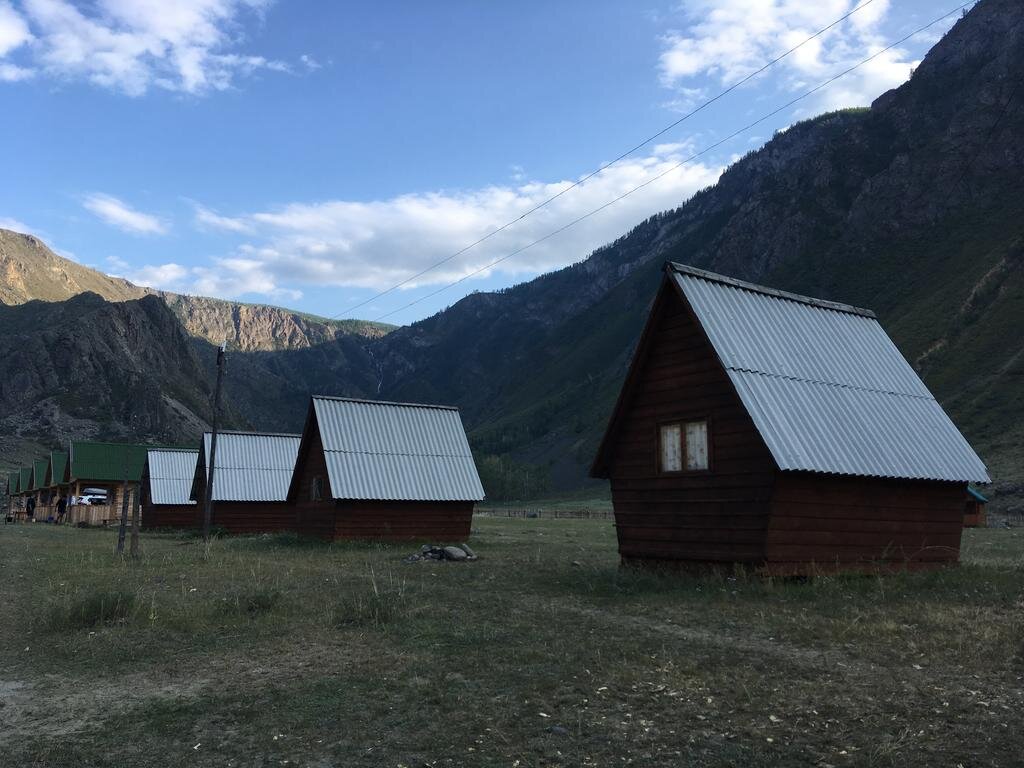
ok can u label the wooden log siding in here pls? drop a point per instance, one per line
(245, 516)
(329, 518)
(834, 522)
(720, 515)
(165, 515)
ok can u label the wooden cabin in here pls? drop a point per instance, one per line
(102, 467)
(166, 488)
(780, 432)
(53, 481)
(24, 482)
(37, 489)
(379, 470)
(250, 482)
(974, 509)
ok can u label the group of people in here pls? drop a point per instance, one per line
(61, 509)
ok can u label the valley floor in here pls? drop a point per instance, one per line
(271, 651)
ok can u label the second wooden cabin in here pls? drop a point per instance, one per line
(781, 432)
(378, 470)
(250, 482)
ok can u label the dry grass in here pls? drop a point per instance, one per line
(267, 649)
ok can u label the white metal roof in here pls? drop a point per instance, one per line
(825, 385)
(396, 451)
(252, 466)
(170, 474)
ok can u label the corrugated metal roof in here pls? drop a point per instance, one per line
(825, 385)
(13, 480)
(58, 466)
(170, 474)
(252, 466)
(106, 462)
(396, 451)
(39, 474)
(25, 481)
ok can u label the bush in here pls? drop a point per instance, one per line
(93, 610)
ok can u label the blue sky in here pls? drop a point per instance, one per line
(311, 154)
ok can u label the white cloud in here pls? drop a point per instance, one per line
(118, 213)
(378, 243)
(14, 31)
(169, 277)
(15, 225)
(210, 219)
(727, 40)
(131, 46)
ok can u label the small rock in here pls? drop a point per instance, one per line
(469, 552)
(454, 553)
(558, 730)
(576, 563)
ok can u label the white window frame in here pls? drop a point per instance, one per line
(682, 428)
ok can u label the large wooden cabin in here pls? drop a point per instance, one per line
(250, 482)
(166, 488)
(379, 470)
(780, 432)
(107, 467)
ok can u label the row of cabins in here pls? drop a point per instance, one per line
(755, 427)
(87, 468)
(360, 469)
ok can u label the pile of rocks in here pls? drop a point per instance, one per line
(460, 553)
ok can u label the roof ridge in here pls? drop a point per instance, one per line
(396, 453)
(733, 282)
(385, 402)
(250, 434)
(803, 380)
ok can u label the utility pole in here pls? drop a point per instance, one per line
(124, 505)
(136, 505)
(208, 500)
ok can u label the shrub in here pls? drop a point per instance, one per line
(93, 610)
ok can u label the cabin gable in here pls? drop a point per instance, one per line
(719, 514)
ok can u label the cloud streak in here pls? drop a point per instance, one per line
(376, 244)
(132, 46)
(726, 40)
(119, 214)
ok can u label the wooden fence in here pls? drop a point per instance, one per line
(580, 513)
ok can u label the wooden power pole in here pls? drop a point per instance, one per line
(124, 506)
(208, 499)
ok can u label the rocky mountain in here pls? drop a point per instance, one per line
(31, 270)
(912, 207)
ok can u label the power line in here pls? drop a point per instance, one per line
(680, 164)
(607, 165)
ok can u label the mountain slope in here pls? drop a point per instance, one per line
(31, 271)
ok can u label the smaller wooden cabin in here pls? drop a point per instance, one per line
(37, 488)
(379, 470)
(166, 488)
(780, 432)
(13, 491)
(974, 509)
(24, 482)
(98, 466)
(250, 482)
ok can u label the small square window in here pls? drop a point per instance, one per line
(683, 445)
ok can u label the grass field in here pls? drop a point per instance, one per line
(270, 651)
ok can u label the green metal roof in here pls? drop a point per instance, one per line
(974, 492)
(26, 479)
(13, 480)
(39, 474)
(97, 462)
(58, 466)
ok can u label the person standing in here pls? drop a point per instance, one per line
(62, 509)
(30, 508)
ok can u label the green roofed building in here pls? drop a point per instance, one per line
(13, 480)
(97, 469)
(25, 480)
(39, 474)
(57, 469)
